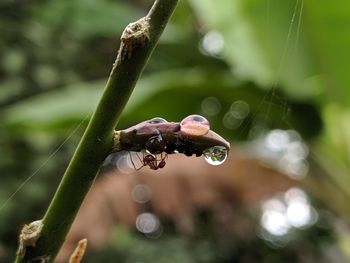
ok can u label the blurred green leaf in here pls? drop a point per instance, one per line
(87, 18)
(52, 44)
(55, 108)
(333, 147)
(328, 25)
(172, 94)
(263, 42)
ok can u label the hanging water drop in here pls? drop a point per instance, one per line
(215, 155)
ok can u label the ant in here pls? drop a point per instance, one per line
(151, 161)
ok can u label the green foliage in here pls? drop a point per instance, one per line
(191, 87)
(55, 56)
(299, 47)
(108, 17)
(262, 43)
(328, 28)
(208, 246)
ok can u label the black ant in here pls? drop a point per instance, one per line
(151, 161)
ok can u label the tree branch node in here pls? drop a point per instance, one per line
(29, 236)
(135, 35)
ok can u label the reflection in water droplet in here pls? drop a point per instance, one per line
(215, 155)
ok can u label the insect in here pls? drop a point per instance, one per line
(153, 162)
(157, 138)
(150, 160)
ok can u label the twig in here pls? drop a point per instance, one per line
(138, 42)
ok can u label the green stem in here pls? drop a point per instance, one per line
(138, 42)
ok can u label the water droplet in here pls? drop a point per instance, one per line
(195, 125)
(215, 155)
(157, 120)
(195, 118)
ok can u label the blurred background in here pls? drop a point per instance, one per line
(272, 77)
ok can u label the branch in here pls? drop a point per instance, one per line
(191, 136)
(137, 43)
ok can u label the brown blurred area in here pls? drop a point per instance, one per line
(184, 187)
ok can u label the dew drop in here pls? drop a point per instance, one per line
(195, 118)
(157, 120)
(215, 155)
(195, 125)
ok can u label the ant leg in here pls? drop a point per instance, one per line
(143, 156)
(163, 156)
(162, 162)
(132, 161)
(156, 158)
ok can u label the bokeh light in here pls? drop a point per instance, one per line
(212, 43)
(148, 224)
(141, 193)
(211, 106)
(283, 214)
